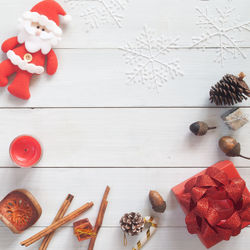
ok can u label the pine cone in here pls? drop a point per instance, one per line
(229, 90)
(132, 223)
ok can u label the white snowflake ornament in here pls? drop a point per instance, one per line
(96, 13)
(148, 59)
(221, 30)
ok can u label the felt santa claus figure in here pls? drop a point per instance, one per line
(39, 32)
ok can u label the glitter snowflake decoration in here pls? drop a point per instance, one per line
(147, 58)
(96, 13)
(221, 29)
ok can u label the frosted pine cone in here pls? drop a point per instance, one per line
(132, 223)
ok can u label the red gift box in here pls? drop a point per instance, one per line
(216, 202)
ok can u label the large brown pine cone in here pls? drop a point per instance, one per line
(132, 223)
(230, 90)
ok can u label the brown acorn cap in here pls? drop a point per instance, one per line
(235, 151)
(199, 128)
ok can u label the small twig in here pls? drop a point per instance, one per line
(209, 128)
(248, 158)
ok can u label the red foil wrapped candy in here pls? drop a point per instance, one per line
(83, 230)
(216, 203)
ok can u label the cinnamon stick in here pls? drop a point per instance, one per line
(61, 212)
(100, 217)
(57, 224)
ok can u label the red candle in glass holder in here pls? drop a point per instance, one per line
(25, 151)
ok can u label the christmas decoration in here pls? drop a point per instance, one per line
(231, 147)
(234, 118)
(230, 90)
(200, 128)
(132, 223)
(221, 31)
(100, 217)
(19, 210)
(83, 230)
(63, 209)
(216, 203)
(54, 226)
(152, 229)
(146, 57)
(99, 12)
(39, 32)
(157, 202)
(25, 151)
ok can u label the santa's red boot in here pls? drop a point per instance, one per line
(6, 69)
(20, 86)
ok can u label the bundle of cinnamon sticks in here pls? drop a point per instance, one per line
(60, 220)
(54, 226)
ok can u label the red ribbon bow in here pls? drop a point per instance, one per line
(216, 205)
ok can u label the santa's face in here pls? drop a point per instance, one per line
(36, 37)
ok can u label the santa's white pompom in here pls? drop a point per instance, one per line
(66, 19)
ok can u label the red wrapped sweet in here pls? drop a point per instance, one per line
(216, 203)
(83, 230)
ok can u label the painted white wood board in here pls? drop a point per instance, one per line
(170, 17)
(111, 239)
(128, 137)
(97, 78)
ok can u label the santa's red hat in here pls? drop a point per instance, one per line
(47, 13)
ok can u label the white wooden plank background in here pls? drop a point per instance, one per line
(134, 137)
(96, 129)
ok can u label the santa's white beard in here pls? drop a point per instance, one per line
(33, 43)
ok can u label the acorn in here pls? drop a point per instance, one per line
(157, 202)
(200, 128)
(231, 147)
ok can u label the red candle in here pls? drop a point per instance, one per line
(25, 151)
